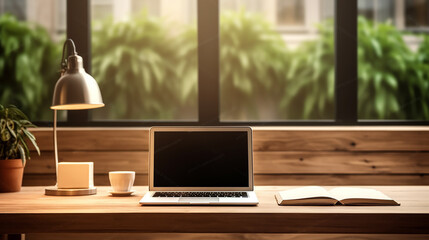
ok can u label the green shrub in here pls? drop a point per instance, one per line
(309, 92)
(145, 71)
(393, 80)
(253, 65)
(418, 88)
(29, 67)
(383, 60)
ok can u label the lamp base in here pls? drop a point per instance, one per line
(54, 191)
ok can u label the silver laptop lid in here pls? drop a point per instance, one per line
(200, 159)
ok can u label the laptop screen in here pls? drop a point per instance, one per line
(201, 159)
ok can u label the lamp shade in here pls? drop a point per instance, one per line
(76, 89)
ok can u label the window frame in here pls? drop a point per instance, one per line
(346, 76)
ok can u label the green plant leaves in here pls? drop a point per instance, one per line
(28, 66)
(144, 70)
(376, 47)
(32, 139)
(22, 153)
(392, 79)
(253, 60)
(13, 132)
(309, 90)
(5, 135)
(10, 127)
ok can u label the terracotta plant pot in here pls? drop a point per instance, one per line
(11, 172)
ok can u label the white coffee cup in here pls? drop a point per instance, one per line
(122, 181)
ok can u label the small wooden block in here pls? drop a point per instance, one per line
(75, 175)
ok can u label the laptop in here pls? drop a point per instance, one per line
(200, 166)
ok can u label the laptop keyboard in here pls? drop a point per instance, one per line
(201, 194)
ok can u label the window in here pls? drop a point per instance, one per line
(31, 36)
(267, 74)
(231, 62)
(417, 13)
(17, 8)
(377, 10)
(393, 63)
(290, 12)
(144, 57)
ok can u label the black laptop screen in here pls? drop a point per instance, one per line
(201, 159)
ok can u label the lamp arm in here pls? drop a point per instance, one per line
(55, 147)
(63, 58)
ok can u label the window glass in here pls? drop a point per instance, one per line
(366, 8)
(270, 72)
(290, 13)
(327, 9)
(417, 12)
(377, 10)
(144, 57)
(393, 62)
(31, 38)
(385, 10)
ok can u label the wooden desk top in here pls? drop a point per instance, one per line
(30, 211)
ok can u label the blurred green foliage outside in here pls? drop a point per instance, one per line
(29, 67)
(147, 69)
(393, 80)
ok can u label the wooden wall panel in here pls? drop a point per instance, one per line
(341, 162)
(282, 155)
(340, 139)
(104, 161)
(264, 162)
(265, 139)
(101, 139)
(340, 179)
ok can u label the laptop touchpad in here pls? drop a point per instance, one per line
(199, 199)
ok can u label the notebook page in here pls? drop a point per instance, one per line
(341, 193)
(304, 192)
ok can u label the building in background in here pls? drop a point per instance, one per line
(296, 20)
(50, 14)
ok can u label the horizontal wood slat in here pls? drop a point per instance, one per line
(271, 179)
(99, 180)
(340, 140)
(340, 179)
(264, 162)
(104, 161)
(126, 139)
(341, 162)
(320, 139)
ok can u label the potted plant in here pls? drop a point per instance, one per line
(14, 151)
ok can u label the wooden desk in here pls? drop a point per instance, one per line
(30, 211)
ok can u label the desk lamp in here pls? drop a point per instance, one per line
(75, 90)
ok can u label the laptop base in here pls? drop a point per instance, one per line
(250, 200)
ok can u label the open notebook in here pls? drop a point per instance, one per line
(315, 195)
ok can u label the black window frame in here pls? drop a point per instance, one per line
(346, 76)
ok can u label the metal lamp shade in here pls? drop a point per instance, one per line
(76, 89)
